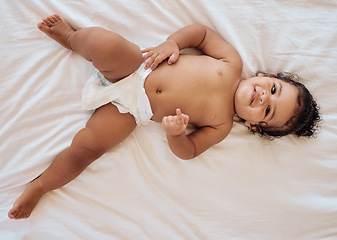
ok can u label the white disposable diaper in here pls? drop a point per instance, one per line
(128, 94)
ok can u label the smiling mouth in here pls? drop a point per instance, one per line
(253, 96)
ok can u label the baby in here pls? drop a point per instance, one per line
(159, 84)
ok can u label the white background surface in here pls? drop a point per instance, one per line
(243, 188)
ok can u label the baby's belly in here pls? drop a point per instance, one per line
(185, 85)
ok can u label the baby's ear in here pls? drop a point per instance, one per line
(248, 124)
(253, 126)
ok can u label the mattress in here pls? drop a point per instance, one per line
(245, 187)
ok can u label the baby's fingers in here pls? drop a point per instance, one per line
(147, 49)
(150, 58)
(180, 119)
(186, 118)
(147, 57)
(173, 58)
(148, 53)
(167, 120)
(156, 61)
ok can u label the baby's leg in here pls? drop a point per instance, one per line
(114, 56)
(104, 130)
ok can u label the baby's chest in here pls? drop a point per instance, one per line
(214, 110)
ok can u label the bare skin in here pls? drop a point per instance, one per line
(181, 89)
(211, 91)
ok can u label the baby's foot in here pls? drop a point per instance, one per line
(57, 29)
(25, 204)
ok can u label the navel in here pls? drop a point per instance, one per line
(219, 72)
(158, 91)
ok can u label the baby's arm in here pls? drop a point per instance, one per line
(193, 36)
(189, 146)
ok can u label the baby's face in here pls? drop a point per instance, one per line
(266, 99)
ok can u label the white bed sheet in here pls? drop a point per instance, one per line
(242, 188)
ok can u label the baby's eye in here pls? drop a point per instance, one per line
(273, 89)
(267, 111)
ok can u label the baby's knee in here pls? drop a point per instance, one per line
(100, 41)
(86, 148)
(85, 155)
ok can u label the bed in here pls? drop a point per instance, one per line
(245, 187)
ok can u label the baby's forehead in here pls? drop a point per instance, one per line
(275, 79)
(269, 77)
(260, 77)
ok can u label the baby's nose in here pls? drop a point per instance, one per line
(263, 97)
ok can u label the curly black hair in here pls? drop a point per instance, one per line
(306, 120)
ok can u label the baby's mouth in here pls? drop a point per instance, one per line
(253, 96)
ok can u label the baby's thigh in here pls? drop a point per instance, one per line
(109, 126)
(114, 56)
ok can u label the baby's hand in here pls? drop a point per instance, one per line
(155, 55)
(175, 125)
